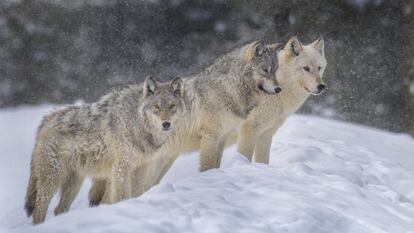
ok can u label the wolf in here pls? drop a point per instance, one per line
(224, 95)
(105, 139)
(300, 72)
(220, 98)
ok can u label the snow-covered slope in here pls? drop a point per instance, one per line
(325, 176)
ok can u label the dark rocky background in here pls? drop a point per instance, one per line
(61, 51)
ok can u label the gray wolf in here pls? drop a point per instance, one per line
(106, 139)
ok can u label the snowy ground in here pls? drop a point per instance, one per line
(325, 176)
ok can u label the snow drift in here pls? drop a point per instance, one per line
(325, 176)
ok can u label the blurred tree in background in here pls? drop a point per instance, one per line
(60, 51)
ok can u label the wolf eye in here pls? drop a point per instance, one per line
(319, 68)
(267, 70)
(306, 68)
(156, 107)
(172, 106)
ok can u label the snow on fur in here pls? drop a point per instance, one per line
(325, 176)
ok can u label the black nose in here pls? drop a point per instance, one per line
(166, 125)
(278, 90)
(321, 87)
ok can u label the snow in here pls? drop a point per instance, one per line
(325, 176)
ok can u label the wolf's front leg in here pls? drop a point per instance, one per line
(100, 188)
(139, 179)
(121, 181)
(210, 152)
(262, 148)
(247, 139)
(163, 165)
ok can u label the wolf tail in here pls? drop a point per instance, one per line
(31, 194)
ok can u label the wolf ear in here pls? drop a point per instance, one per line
(293, 46)
(259, 48)
(149, 86)
(252, 50)
(319, 45)
(274, 47)
(177, 86)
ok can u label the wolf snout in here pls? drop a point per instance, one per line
(321, 87)
(166, 125)
(278, 90)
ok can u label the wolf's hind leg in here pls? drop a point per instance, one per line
(69, 191)
(46, 188)
(31, 195)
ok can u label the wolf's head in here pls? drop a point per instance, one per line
(163, 102)
(261, 64)
(303, 65)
